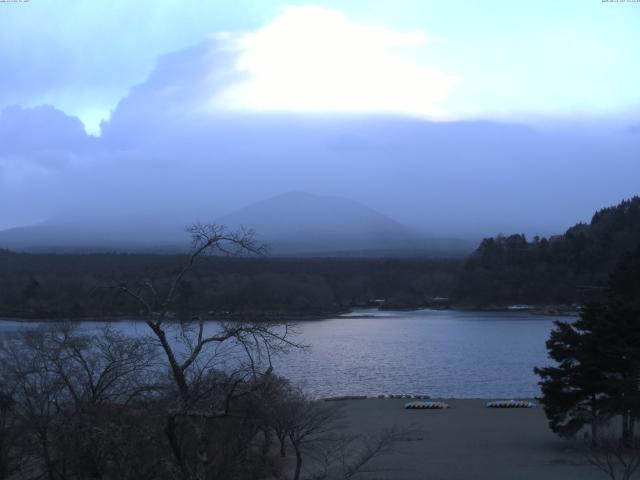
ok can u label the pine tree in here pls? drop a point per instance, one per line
(597, 371)
(619, 335)
(573, 391)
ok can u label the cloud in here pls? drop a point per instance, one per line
(166, 148)
(173, 95)
(312, 59)
(307, 59)
(37, 141)
(43, 128)
(40, 149)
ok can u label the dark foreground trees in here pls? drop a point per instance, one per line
(597, 376)
(573, 392)
(76, 405)
(181, 400)
(72, 397)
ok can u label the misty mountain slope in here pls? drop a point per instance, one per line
(294, 223)
(127, 232)
(298, 222)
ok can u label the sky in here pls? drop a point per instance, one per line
(497, 59)
(463, 106)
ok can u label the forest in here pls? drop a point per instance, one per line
(562, 269)
(504, 270)
(79, 286)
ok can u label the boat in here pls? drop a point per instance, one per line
(420, 405)
(520, 307)
(510, 404)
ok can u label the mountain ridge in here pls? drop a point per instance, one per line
(291, 223)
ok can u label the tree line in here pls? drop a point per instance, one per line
(71, 286)
(561, 269)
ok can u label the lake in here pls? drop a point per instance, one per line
(442, 353)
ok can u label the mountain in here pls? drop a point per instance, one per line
(294, 223)
(299, 222)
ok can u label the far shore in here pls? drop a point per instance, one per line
(468, 441)
(560, 310)
(222, 317)
(547, 310)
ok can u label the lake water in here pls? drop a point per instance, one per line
(442, 353)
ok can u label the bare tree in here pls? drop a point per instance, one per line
(38, 393)
(344, 457)
(255, 338)
(9, 433)
(109, 368)
(619, 460)
(69, 392)
(277, 412)
(311, 422)
(314, 430)
(196, 349)
(371, 447)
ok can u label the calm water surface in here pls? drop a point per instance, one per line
(441, 353)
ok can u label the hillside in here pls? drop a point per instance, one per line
(94, 234)
(560, 269)
(294, 223)
(299, 222)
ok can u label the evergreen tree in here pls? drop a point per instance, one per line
(621, 339)
(619, 335)
(572, 391)
(597, 371)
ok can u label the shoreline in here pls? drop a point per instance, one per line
(560, 310)
(408, 398)
(133, 318)
(546, 310)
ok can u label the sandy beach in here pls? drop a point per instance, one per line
(469, 441)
